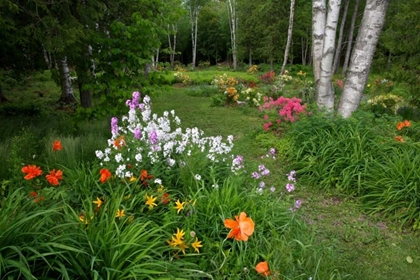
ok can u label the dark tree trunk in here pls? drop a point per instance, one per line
(85, 94)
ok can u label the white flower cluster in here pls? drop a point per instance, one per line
(253, 96)
(145, 138)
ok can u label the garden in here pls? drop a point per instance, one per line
(212, 174)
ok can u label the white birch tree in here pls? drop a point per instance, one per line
(319, 13)
(233, 24)
(67, 94)
(193, 10)
(367, 39)
(289, 36)
(172, 29)
(324, 88)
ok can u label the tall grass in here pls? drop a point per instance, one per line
(359, 157)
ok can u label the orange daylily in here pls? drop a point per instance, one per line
(405, 123)
(241, 228)
(399, 139)
(31, 171)
(54, 177)
(105, 175)
(57, 146)
(145, 176)
(36, 197)
(119, 142)
(262, 269)
(165, 198)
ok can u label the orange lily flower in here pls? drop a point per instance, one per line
(405, 123)
(105, 175)
(145, 176)
(165, 198)
(241, 228)
(57, 146)
(31, 171)
(54, 177)
(262, 269)
(399, 139)
(119, 142)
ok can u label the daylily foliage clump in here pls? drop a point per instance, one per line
(168, 194)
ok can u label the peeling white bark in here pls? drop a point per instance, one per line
(289, 36)
(194, 8)
(233, 23)
(325, 92)
(364, 49)
(319, 13)
(67, 95)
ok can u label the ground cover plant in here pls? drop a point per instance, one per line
(143, 202)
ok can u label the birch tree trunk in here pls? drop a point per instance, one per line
(67, 95)
(194, 8)
(172, 46)
(319, 12)
(289, 36)
(233, 24)
(324, 88)
(350, 39)
(338, 48)
(364, 49)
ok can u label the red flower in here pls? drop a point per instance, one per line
(57, 146)
(54, 177)
(31, 171)
(105, 175)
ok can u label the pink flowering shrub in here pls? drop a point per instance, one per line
(282, 109)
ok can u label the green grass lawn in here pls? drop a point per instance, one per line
(348, 243)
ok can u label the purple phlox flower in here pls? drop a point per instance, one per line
(290, 187)
(153, 137)
(136, 97)
(298, 203)
(137, 133)
(114, 125)
(261, 167)
(265, 172)
(291, 176)
(261, 185)
(255, 175)
(141, 107)
(273, 151)
(238, 160)
(272, 189)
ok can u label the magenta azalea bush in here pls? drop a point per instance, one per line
(280, 110)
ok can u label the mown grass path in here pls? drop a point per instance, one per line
(365, 247)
